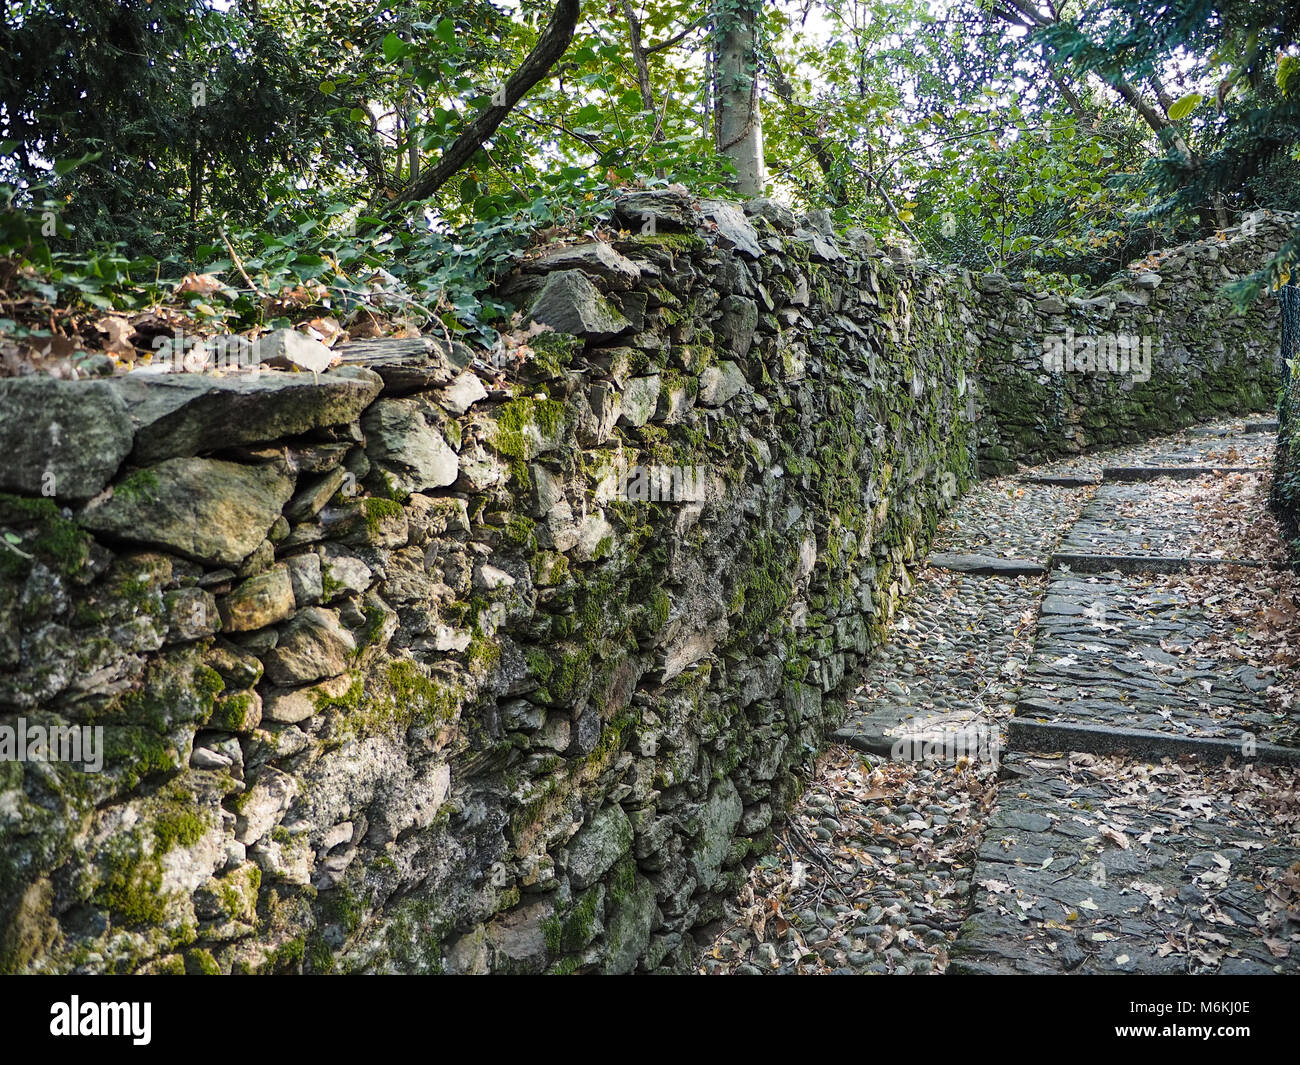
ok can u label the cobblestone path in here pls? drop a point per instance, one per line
(1077, 752)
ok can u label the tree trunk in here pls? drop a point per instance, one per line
(643, 75)
(738, 129)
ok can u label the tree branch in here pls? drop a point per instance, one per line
(821, 150)
(651, 49)
(552, 44)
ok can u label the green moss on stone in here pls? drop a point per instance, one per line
(397, 698)
(519, 531)
(677, 242)
(55, 540)
(545, 415)
(177, 828)
(132, 884)
(377, 511)
(140, 486)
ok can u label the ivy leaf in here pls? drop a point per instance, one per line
(395, 48)
(1184, 106)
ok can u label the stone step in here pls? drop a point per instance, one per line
(943, 747)
(1025, 735)
(1087, 870)
(1154, 473)
(1262, 425)
(986, 565)
(1060, 480)
(1087, 563)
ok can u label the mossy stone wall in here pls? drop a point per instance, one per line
(397, 673)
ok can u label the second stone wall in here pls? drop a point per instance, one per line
(1206, 359)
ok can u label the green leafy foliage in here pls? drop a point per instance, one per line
(273, 144)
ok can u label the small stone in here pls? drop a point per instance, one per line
(731, 226)
(342, 573)
(291, 349)
(720, 384)
(292, 706)
(258, 601)
(207, 758)
(191, 614)
(309, 500)
(264, 804)
(313, 646)
(595, 849)
(640, 397)
(463, 392)
(737, 325)
(489, 578)
(594, 536)
(237, 669)
(306, 578)
(548, 490)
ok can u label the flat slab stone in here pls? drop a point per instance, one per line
(1092, 866)
(664, 209)
(594, 257)
(179, 415)
(986, 565)
(1222, 444)
(1153, 473)
(407, 364)
(1126, 653)
(732, 227)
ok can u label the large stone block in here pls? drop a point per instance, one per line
(177, 415)
(64, 439)
(205, 509)
(401, 442)
(570, 303)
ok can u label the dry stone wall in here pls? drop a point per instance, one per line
(459, 660)
(1157, 348)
